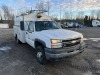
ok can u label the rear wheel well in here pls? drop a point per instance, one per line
(17, 40)
(15, 36)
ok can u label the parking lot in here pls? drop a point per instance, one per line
(20, 59)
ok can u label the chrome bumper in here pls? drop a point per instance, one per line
(64, 52)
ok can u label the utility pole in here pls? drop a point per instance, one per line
(0, 15)
(60, 13)
(48, 7)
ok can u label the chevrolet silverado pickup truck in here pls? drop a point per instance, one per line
(48, 39)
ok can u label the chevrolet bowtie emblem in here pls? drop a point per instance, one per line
(73, 42)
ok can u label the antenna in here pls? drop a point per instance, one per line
(27, 11)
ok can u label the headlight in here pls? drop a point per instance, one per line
(82, 37)
(59, 45)
(53, 41)
(56, 43)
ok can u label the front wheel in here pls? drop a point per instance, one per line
(40, 55)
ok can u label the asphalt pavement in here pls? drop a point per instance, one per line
(20, 59)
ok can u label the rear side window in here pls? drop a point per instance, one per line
(22, 25)
(31, 27)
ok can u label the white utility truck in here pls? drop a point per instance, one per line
(48, 39)
(95, 23)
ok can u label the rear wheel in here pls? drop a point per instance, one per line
(40, 55)
(17, 40)
(98, 25)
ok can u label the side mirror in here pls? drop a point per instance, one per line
(22, 25)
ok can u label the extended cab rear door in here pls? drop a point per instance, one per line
(30, 33)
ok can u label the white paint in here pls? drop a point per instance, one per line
(98, 60)
(60, 34)
(5, 48)
(44, 35)
(4, 25)
(88, 73)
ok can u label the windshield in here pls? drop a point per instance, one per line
(46, 25)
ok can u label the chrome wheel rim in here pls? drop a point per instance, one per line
(39, 55)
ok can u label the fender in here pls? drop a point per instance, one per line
(40, 41)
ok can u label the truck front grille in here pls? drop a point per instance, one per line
(72, 42)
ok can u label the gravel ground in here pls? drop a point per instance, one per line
(20, 59)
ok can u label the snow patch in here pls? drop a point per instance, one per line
(5, 48)
(4, 25)
(93, 39)
(98, 60)
(88, 73)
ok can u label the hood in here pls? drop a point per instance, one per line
(60, 34)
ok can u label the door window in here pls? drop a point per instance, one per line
(31, 27)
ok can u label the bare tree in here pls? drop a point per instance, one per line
(7, 12)
(80, 15)
(54, 17)
(93, 14)
(47, 6)
(43, 6)
(40, 6)
(98, 14)
(66, 15)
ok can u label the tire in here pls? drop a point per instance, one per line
(40, 55)
(17, 40)
(98, 26)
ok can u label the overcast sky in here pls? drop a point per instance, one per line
(66, 5)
